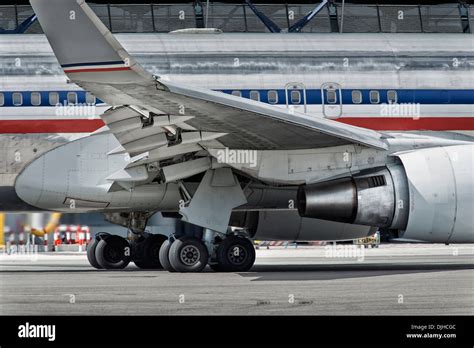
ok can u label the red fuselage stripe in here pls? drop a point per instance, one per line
(375, 123)
(50, 126)
(95, 70)
(407, 124)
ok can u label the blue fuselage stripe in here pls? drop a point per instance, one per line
(91, 64)
(313, 96)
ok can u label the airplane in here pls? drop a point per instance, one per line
(268, 136)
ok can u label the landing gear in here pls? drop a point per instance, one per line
(229, 253)
(91, 252)
(234, 254)
(112, 252)
(146, 251)
(164, 256)
(188, 254)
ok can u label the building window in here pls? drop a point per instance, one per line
(332, 96)
(17, 99)
(392, 97)
(374, 97)
(237, 93)
(53, 98)
(295, 96)
(2, 99)
(72, 98)
(90, 99)
(255, 95)
(356, 97)
(272, 97)
(35, 99)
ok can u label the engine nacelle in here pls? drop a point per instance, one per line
(370, 198)
(441, 194)
(428, 196)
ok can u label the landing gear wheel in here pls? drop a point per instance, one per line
(113, 252)
(164, 256)
(234, 254)
(188, 254)
(91, 253)
(147, 251)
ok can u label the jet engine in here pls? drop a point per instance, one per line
(427, 196)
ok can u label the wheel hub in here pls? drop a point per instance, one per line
(237, 255)
(112, 254)
(190, 255)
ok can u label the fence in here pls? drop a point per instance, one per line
(147, 18)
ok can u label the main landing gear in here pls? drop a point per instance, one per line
(223, 253)
(190, 254)
(234, 254)
(108, 251)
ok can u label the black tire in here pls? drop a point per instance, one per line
(137, 252)
(164, 256)
(111, 253)
(235, 254)
(91, 253)
(188, 254)
(149, 250)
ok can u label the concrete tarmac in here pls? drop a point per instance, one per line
(394, 279)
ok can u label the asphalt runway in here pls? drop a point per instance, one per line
(391, 280)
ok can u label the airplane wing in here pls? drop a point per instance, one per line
(154, 115)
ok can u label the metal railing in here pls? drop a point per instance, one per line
(148, 18)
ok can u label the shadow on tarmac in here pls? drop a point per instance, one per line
(345, 271)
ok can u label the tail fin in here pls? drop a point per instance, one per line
(82, 43)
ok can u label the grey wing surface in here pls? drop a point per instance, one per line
(92, 58)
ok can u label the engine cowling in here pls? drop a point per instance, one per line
(428, 196)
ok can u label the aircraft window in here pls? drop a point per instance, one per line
(53, 98)
(72, 98)
(2, 99)
(295, 97)
(356, 97)
(332, 96)
(374, 97)
(35, 99)
(392, 97)
(237, 93)
(17, 99)
(255, 95)
(272, 97)
(90, 99)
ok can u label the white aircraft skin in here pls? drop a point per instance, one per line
(441, 74)
(415, 88)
